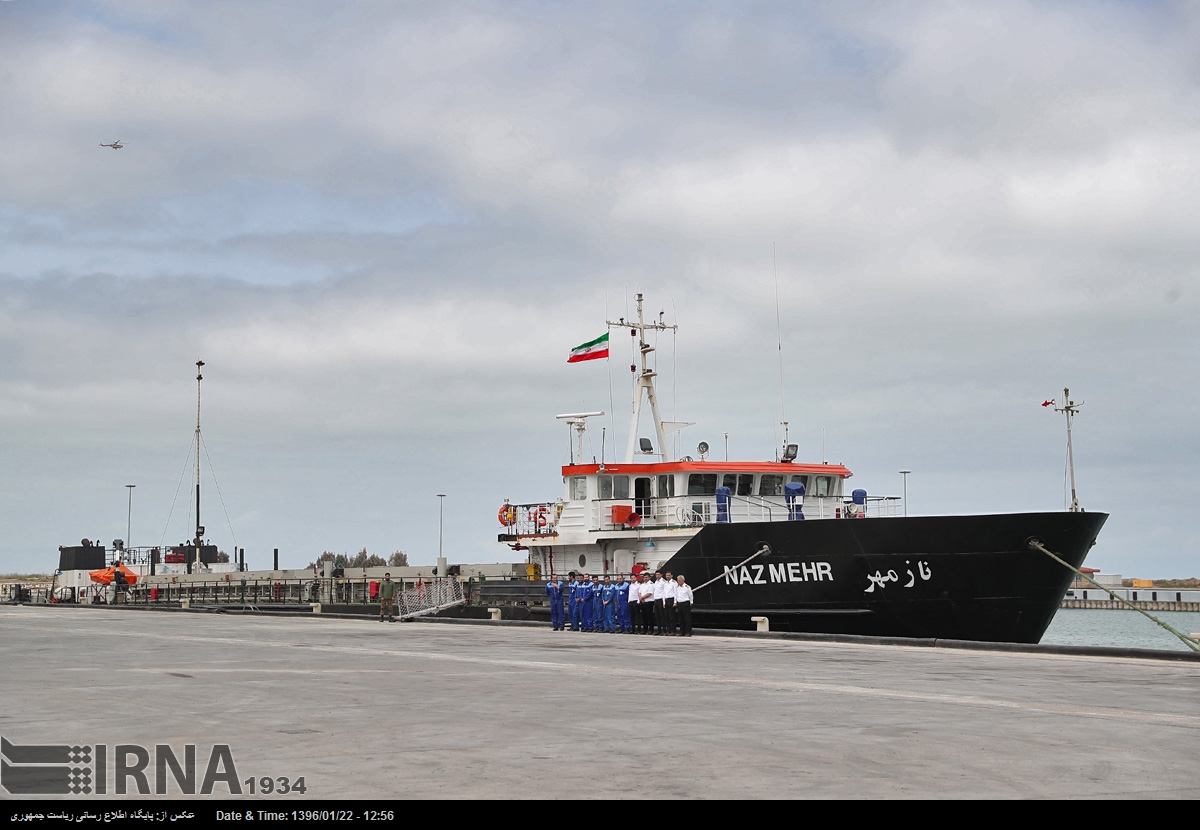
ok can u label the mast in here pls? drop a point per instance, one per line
(1069, 408)
(646, 382)
(199, 527)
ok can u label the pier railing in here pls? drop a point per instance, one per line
(278, 593)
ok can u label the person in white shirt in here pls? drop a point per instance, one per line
(635, 610)
(646, 603)
(669, 604)
(660, 590)
(683, 606)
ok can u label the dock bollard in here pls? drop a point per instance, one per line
(763, 623)
(495, 612)
(185, 603)
(316, 607)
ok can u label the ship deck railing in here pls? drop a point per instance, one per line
(144, 555)
(550, 518)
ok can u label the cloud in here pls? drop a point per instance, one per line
(383, 227)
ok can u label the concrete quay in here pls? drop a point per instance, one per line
(364, 710)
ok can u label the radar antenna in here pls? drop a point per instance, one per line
(578, 420)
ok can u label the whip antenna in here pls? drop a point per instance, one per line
(779, 344)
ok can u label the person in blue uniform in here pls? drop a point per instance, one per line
(597, 605)
(573, 612)
(584, 599)
(554, 592)
(623, 623)
(608, 606)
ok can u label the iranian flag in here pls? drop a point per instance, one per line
(592, 350)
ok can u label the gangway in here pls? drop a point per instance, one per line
(428, 598)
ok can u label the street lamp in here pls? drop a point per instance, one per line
(129, 515)
(905, 474)
(441, 502)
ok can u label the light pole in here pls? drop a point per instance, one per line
(905, 474)
(129, 515)
(441, 502)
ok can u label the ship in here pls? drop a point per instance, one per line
(781, 544)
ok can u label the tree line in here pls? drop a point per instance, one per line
(362, 559)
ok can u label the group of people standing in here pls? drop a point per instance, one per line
(633, 605)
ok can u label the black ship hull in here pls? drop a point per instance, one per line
(942, 577)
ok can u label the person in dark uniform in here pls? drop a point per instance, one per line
(387, 598)
(119, 582)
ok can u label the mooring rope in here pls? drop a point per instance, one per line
(764, 549)
(1036, 545)
(220, 497)
(178, 487)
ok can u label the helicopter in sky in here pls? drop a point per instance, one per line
(116, 145)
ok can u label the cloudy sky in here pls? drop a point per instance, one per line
(383, 225)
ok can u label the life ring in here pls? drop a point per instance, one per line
(507, 515)
(538, 516)
(852, 510)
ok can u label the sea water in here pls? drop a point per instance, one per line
(1121, 629)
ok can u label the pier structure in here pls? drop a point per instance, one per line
(495, 710)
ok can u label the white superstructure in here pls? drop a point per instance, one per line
(613, 517)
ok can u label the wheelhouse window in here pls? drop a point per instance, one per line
(740, 484)
(799, 479)
(578, 488)
(702, 484)
(825, 486)
(614, 487)
(770, 485)
(666, 487)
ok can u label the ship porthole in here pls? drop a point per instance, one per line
(582, 560)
